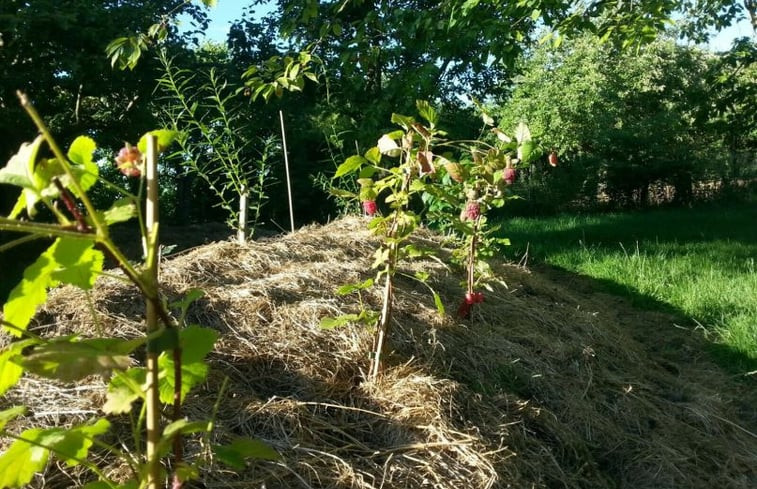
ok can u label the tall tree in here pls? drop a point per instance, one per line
(54, 50)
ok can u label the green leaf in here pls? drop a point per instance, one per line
(181, 426)
(121, 210)
(73, 445)
(210, 3)
(439, 304)
(20, 168)
(79, 263)
(338, 322)
(522, 133)
(166, 339)
(29, 454)
(349, 288)
(67, 260)
(427, 112)
(80, 153)
(403, 120)
(526, 151)
(190, 297)
(22, 460)
(237, 452)
(184, 426)
(69, 361)
(350, 165)
(10, 414)
(196, 342)
(10, 372)
(125, 388)
(20, 172)
(421, 275)
(185, 472)
(374, 156)
(164, 138)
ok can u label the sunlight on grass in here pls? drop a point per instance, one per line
(701, 262)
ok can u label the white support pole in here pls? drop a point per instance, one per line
(286, 167)
(242, 228)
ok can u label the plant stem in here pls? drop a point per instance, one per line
(102, 230)
(151, 275)
(43, 229)
(379, 340)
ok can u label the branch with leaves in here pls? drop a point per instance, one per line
(175, 354)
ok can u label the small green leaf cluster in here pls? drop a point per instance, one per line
(81, 240)
(279, 74)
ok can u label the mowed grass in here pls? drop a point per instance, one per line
(701, 262)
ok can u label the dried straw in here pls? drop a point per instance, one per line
(552, 384)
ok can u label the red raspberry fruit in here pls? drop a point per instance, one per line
(472, 210)
(510, 175)
(129, 161)
(369, 206)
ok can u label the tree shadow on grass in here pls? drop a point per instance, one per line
(734, 361)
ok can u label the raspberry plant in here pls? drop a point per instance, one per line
(175, 352)
(476, 183)
(458, 192)
(396, 168)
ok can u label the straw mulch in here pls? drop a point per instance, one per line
(551, 384)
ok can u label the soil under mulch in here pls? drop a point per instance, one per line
(550, 384)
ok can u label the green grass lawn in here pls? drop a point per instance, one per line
(699, 261)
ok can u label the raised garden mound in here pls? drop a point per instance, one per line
(551, 384)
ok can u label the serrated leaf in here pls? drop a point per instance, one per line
(190, 296)
(349, 288)
(124, 388)
(196, 342)
(10, 414)
(10, 372)
(403, 120)
(20, 172)
(526, 151)
(22, 460)
(387, 146)
(164, 138)
(241, 449)
(86, 170)
(350, 165)
(374, 156)
(67, 260)
(427, 112)
(20, 168)
(338, 322)
(181, 426)
(70, 361)
(73, 445)
(522, 133)
(81, 264)
(121, 210)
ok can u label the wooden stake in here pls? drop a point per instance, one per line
(286, 167)
(242, 229)
(153, 399)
